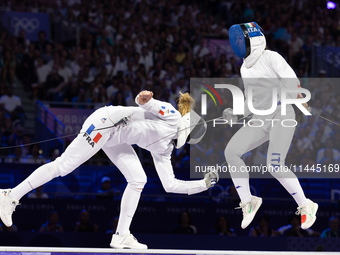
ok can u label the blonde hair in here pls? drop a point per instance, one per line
(185, 103)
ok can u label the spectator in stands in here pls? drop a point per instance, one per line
(322, 152)
(9, 135)
(333, 231)
(223, 228)
(262, 229)
(295, 229)
(47, 55)
(303, 141)
(180, 56)
(81, 98)
(19, 131)
(326, 131)
(15, 157)
(310, 232)
(3, 88)
(295, 46)
(145, 59)
(38, 193)
(336, 141)
(96, 70)
(42, 43)
(64, 71)
(52, 224)
(27, 73)
(328, 157)
(84, 225)
(111, 67)
(317, 143)
(185, 225)
(71, 92)
(22, 40)
(53, 85)
(26, 139)
(11, 104)
(42, 71)
(76, 64)
(35, 156)
(54, 153)
(130, 101)
(200, 50)
(8, 67)
(106, 192)
(118, 99)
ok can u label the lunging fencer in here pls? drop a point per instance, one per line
(155, 126)
(261, 71)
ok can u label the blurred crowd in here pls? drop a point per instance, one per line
(185, 225)
(119, 48)
(262, 229)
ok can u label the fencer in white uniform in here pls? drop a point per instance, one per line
(262, 70)
(154, 126)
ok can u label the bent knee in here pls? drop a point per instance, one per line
(64, 165)
(230, 153)
(137, 186)
(54, 169)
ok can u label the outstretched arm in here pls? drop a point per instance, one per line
(170, 183)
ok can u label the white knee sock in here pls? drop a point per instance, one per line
(240, 179)
(128, 208)
(39, 177)
(291, 183)
(242, 187)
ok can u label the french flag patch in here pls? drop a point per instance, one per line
(97, 137)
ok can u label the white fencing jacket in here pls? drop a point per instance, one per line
(270, 70)
(153, 126)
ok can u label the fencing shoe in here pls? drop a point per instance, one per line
(7, 207)
(249, 210)
(126, 242)
(307, 212)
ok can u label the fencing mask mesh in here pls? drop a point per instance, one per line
(240, 36)
(191, 130)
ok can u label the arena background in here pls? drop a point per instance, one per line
(64, 59)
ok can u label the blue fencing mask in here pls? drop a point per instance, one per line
(240, 36)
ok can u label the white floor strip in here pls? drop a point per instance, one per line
(37, 250)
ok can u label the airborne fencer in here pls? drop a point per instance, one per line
(155, 126)
(261, 71)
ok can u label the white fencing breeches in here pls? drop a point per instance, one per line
(82, 148)
(127, 161)
(248, 138)
(87, 143)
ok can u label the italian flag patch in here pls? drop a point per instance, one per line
(249, 25)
